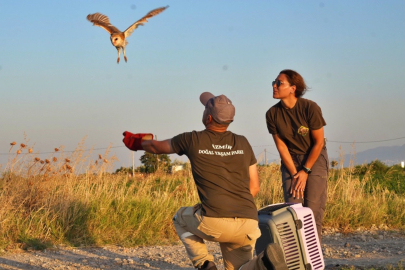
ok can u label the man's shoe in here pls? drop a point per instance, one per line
(273, 257)
(208, 265)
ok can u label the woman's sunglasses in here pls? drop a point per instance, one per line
(277, 82)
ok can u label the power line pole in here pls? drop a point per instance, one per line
(133, 163)
(265, 157)
(157, 156)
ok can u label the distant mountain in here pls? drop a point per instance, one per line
(390, 155)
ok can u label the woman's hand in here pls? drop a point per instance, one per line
(298, 184)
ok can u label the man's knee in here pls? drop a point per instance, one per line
(182, 231)
(175, 218)
(185, 221)
(179, 217)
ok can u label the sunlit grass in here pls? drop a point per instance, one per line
(70, 198)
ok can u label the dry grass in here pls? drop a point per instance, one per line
(349, 205)
(70, 198)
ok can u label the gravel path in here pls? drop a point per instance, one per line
(364, 249)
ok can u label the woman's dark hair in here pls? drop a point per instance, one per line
(294, 78)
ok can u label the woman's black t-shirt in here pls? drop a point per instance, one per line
(293, 125)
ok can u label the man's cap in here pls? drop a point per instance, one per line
(219, 107)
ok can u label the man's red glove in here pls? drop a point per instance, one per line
(134, 141)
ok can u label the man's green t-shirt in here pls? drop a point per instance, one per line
(220, 165)
(293, 125)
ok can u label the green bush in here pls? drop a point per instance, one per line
(377, 173)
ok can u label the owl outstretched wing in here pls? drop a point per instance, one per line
(102, 21)
(152, 13)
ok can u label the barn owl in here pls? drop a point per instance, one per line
(118, 38)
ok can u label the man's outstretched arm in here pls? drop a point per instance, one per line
(144, 141)
(158, 147)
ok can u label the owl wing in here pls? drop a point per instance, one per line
(152, 13)
(101, 20)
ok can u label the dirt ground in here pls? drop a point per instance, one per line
(362, 250)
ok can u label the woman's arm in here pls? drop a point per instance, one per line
(285, 155)
(301, 177)
(319, 142)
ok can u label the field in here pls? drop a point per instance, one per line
(72, 199)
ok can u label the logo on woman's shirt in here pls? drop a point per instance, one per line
(303, 131)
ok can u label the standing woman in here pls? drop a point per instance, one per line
(296, 125)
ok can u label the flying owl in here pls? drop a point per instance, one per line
(118, 38)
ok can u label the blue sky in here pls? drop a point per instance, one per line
(59, 81)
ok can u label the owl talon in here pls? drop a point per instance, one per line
(125, 59)
(118, 60)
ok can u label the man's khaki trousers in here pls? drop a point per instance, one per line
(237, 236)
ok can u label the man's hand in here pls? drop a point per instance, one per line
(134, 141)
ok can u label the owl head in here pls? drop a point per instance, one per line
(116, 39)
